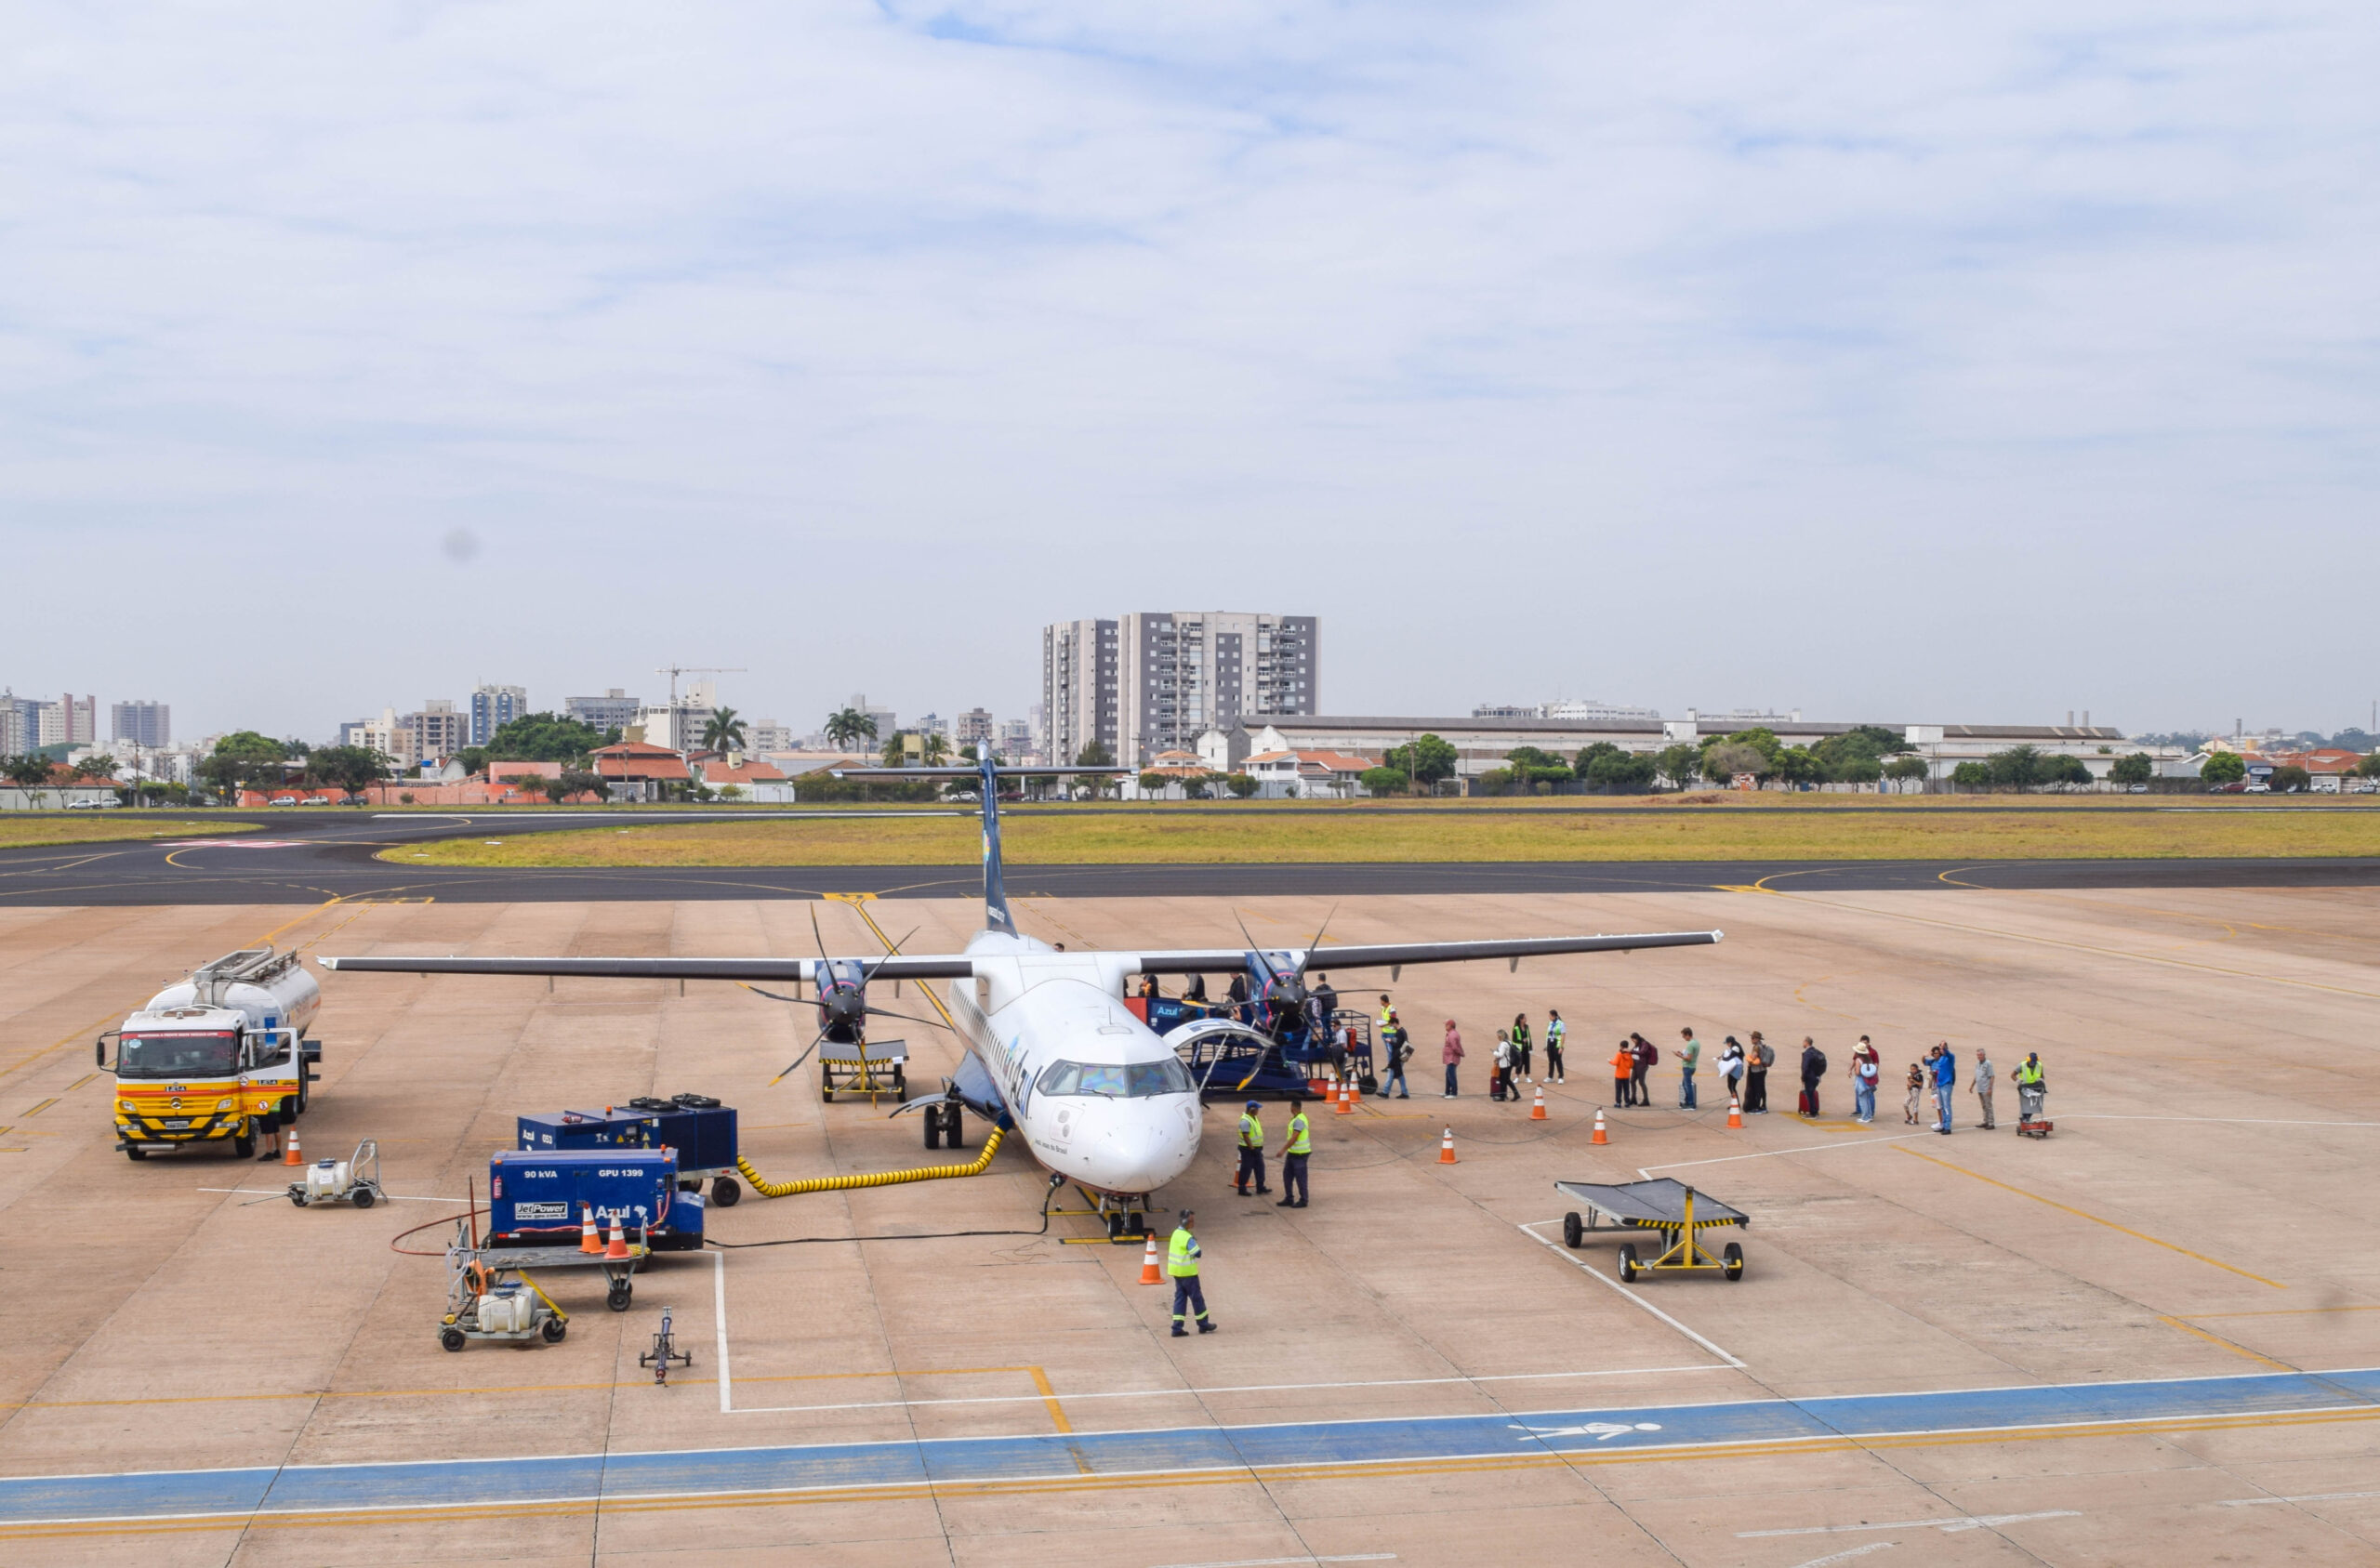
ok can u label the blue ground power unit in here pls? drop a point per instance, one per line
(535, 1196)
(699, 1128)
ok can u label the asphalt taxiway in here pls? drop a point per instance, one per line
(293, 857)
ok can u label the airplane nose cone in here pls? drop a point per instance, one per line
(1142, 1148)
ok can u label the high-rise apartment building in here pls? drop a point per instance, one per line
(1179, 675)
(613, 710)
(493, 707)
(972, 728)
(1016, 741)
(438, 729)
(143, 723)
(1078, 687)
(1155, 680)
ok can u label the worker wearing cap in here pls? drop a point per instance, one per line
(1300, 1144)
(1252, 1152)
(1181, 1261)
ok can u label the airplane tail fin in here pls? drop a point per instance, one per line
(996, 915)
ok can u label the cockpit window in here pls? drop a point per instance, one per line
(1136, 1080)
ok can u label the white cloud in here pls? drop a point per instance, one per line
(1878, 359)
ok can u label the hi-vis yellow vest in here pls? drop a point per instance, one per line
(1251, 1131)
(1182, 1255)
(1299, 1142)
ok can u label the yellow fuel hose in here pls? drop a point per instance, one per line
(768, 1189)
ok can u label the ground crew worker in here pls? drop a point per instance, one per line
(1181, 1261)
(1522, 1062)
(1252, 1151)
(2030, 1089)
(1554, 1032)
(1300, 1144)
(1399, 1049)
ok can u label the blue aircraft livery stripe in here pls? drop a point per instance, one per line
(301, 1489)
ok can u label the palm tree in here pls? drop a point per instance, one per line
(723, 732)
(848, 725)
(937, 748)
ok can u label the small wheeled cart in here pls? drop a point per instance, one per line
(482, 1304)
(352, 1180)
(1671, 1208)
(874, 1068)
(2030, 1122)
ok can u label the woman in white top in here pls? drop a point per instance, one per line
(1731, 1066)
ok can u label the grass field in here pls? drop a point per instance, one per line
(1107, 838)
(105, 827)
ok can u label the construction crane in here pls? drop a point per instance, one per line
(673, 672)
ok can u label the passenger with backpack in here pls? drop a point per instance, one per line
(1759, 1057)
(1813, 1069)
(1649, 1055)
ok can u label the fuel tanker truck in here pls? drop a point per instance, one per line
(212, 1054)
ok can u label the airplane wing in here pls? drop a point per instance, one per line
(1398, 954)
(920, 967)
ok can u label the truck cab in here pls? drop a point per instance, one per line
(209, 1054)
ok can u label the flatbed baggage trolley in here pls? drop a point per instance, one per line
(494, 1263)
(1671, 1208)
(872, 1068)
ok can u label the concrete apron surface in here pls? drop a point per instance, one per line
(2107, 1345)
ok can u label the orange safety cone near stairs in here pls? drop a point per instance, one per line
(1735, 1112)
(1148, 1263)
(618, 1247)
(588, 1240)
(1600, 1136)
(289, 1154)
(1446, 1148)
(1339, 1102)
(1537, 1112)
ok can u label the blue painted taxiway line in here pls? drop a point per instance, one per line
(330, 1489)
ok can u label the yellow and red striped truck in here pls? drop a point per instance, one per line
(213, 1053)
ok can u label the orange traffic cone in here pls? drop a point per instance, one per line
(1735, 1112)
(1600, 1136)
(1148, 1263)
(1339, 1103)
(1537, 1112)
(619, 1244)
(1446, 1148)
(588, 1240)
(1355, 1092)
(289, 1154)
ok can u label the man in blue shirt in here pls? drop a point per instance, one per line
(1945, 1078)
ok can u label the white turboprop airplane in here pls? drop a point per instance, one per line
(1100, 1098)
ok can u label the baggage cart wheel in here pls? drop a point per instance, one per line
(451, 1338)
(553, 1329)
(1627, 1262)
(297, 1198)
(364, 1197)
(1573, 1232)
(724, 1190)
(1731, 1262)
(618, 1299)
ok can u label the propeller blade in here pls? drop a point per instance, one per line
(1315, 944)
(891, 953)
(771, 996)
(907, 1017)
(1260, 959)
(798, 1059)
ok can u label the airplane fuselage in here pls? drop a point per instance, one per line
(1096, 1095)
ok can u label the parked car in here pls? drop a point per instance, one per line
(285, 800)
(316, 800)
(89, 804)
(2139, 789)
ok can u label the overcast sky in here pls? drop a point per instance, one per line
(1898, 362)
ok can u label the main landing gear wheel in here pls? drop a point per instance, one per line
(617, 1299)
(1627, 1262)
(451, 1338)
(1731, 1262)
(1573, 1232)
(724, 1190)
(933, 1119)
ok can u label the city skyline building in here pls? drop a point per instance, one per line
(142, 722)
(1179, 674)
(493, 707)
(613, 710)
